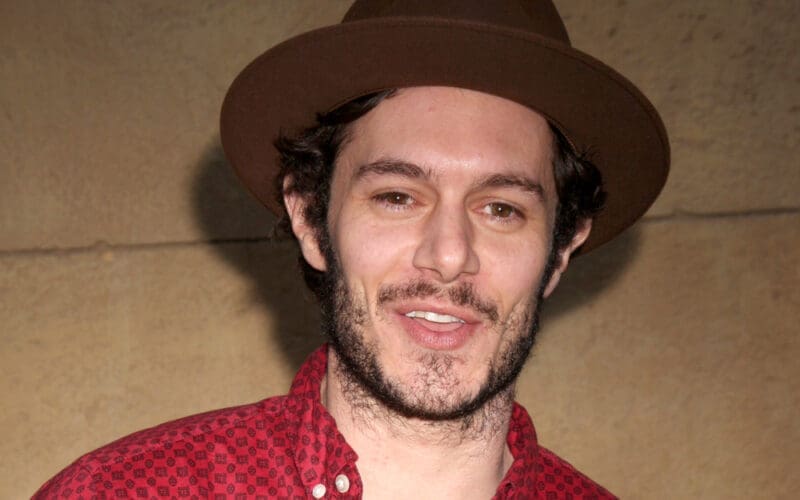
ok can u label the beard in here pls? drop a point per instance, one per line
(435, 393)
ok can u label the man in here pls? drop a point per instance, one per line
(437, 201)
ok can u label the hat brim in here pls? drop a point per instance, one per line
(595, 107)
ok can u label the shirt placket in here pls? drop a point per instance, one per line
(326, 463)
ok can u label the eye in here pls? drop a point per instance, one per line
(501, 211)
(394, 199)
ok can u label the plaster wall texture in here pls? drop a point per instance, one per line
(138, 282)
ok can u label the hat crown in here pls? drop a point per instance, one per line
(536, 16)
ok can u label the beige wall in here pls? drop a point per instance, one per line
(137, 285)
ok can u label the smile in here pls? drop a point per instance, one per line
(434, 317)
(438, 330)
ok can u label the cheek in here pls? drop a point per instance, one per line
(369, 252)
(513, 268)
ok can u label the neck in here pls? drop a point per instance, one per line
(463, 458)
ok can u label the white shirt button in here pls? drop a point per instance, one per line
(342, 483)
(318, 491)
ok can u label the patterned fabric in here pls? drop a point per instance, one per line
(283, 447)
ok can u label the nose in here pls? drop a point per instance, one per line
(447, 248)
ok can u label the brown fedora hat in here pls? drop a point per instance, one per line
(517, 49)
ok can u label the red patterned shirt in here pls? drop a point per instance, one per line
(282, 447)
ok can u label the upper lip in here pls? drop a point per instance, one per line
(466, 314)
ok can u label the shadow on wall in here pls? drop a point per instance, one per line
(242, 232)
(587, 276)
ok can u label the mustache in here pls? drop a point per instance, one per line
(462, 294)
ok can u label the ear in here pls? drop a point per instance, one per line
(296, 208)
(581, 233)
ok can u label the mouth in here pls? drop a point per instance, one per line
(437, 328)
(436, 321)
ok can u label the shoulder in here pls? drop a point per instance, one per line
(176, 449)
(557, 474)
(543, 470)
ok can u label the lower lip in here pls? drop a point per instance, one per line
(437, 340)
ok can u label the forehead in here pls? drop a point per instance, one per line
(450, 128)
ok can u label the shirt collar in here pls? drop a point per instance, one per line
(322, 454)
(524, 447)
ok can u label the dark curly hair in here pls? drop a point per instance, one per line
(308, 159)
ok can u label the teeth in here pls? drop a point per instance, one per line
(432, 316)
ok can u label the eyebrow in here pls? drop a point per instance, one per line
(512, 181)
(413, 171)
(392, 167)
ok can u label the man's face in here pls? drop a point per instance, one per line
(440, 222)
